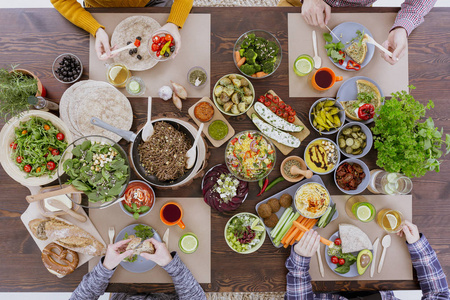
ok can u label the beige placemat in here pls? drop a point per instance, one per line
(217, 116)
(195, 51)
(397, 265)
(196, 217)
(390, 78)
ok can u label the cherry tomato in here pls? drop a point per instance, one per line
(55, 152)
(341, 261)
(269, 96)
(334, 259)
(281, 105)
(291, 119)
(46, 127)
(60, 136)
(24, 132)
(51, 165)
(267, 103)
(155, 47)
(157, 53)
(171, 44)
(288, 108)
(279, 112)
(168, 38)
(38, 169)
(261, 99)
(156, 39)
(292, 113)
(337, 242)
(13, 145)
(276, 100)
(46, 154)
(27, 168)
(285, 115)
(273, 109)
(19, 159)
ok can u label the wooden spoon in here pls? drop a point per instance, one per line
(297, 171)
(58, 204)
(67, 190)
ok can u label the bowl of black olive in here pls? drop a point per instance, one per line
(67, 68)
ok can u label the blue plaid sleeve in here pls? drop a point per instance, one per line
(431, 277)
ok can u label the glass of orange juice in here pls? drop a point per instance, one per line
(390, 220)
(118, 75)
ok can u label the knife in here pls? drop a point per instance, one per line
(333, 33)
(319, 259)
(375, 247)
(166, 238)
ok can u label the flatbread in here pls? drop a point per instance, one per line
(353, 239)
(90, 98)
(127, 31)
(101, 100)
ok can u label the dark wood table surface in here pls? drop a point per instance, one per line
(34, 37)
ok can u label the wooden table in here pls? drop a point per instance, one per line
(34, 37)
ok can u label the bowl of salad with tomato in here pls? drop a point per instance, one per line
(32, 144)
(161, 46)
(250, 155)
(139, 199)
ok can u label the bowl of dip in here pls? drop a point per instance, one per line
(218, 130)
(197, 76)
(322, 156)
(139, 199)
(312, 200)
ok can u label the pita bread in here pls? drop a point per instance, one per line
(127, 31)
(353, 239)
(98, 99)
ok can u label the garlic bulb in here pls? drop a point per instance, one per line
(165, 93)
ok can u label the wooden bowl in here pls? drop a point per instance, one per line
(302, 164)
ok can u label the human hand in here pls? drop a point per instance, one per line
(396, 43)
(175, 32)
(308, 244)
(113, 256)
(161, 256)
(411, 232)
(102, 46)
(313, 12)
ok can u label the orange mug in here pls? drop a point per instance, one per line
(171, 214)
(324, 78)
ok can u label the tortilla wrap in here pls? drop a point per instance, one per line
(353, 239)
(127, 31)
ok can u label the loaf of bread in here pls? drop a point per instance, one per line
(67, 235)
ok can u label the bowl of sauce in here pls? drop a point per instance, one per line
(322, 156)
(218, 130)
(139, 199)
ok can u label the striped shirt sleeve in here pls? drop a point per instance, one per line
(186, 287)
(412, 14)
(432, 279)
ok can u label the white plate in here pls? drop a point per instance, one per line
(141, 265)
(348, 31)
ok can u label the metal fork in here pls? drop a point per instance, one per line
(111, 233)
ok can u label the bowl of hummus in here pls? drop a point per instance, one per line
(312, 200)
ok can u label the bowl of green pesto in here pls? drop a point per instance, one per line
(98, 167)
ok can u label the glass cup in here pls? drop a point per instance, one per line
(358, 208)
(117, 75)
(188, 243)
(382, 182)
(323, 79)
(303, 65)
(135, 86)
(390, 220)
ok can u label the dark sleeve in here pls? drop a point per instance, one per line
(93, 284)
(433, 282)
(186, 286)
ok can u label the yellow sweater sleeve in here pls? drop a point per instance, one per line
(180, 11)
(75, 13)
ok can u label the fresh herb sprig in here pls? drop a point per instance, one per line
(333, 48)
(405, 142)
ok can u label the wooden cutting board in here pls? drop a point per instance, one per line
(300, 135)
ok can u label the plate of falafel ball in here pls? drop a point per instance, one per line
(271, 209)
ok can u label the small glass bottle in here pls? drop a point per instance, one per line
(42, 103)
